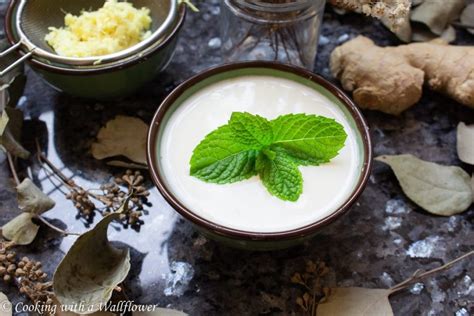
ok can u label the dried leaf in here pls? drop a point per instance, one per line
(437, 14)
(5, 305)
(122, 136)
(422, 34)
(12, 145)
(467, 17)
(92, 269)
(21, 229)
(356, 301)
(440, 190)
(31, 199)
(472, 186)
(465, 143)
(3, 121)
(161, 312)
(12, 133)
(128, 165)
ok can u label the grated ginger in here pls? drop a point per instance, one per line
(112, 28)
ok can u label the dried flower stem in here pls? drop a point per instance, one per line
(12, 168)
(69, 183)
(17, 181)
(418, 276)
(111, 195)
(59, 230)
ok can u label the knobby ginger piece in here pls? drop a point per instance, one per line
(390, 79)
(379, 78)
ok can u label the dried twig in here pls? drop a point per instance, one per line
(111, 196)
(12, 168)
(418, 275)
(39, 217)
(59, 230)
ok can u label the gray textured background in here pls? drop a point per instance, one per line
(380, 242)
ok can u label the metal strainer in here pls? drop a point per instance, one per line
(34, 17)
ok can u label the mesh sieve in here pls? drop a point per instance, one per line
(34, 17)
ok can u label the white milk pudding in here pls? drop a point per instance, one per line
(247, 205)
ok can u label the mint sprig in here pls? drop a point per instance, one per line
(250, 144)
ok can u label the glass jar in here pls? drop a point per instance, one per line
(279, 30)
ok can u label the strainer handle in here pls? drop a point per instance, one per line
(16, 62)
(10, 49)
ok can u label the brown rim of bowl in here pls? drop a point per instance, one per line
(73, 71)
(241, 234)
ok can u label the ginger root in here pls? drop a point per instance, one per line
(390, 79)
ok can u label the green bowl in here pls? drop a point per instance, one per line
(252, 240)
(104, 82)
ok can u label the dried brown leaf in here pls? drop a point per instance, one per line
(438, 189)
(467, 17)
(472, 186)
(92, 283)
(356, 301)
(437, 15)
(128, 165)
(12, 133)
(465, 143)
(122, 136)
(421, 34)
(21, 230)
(12, 145)
(3, 121)
(31, 199)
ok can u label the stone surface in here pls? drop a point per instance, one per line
(383, 240)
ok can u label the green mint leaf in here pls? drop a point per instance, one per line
(250, 144)
(252, 130)
(308, 139)
(269, 153)
(260, 162)
(221, 158)
(229, 153)
(282, 177)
